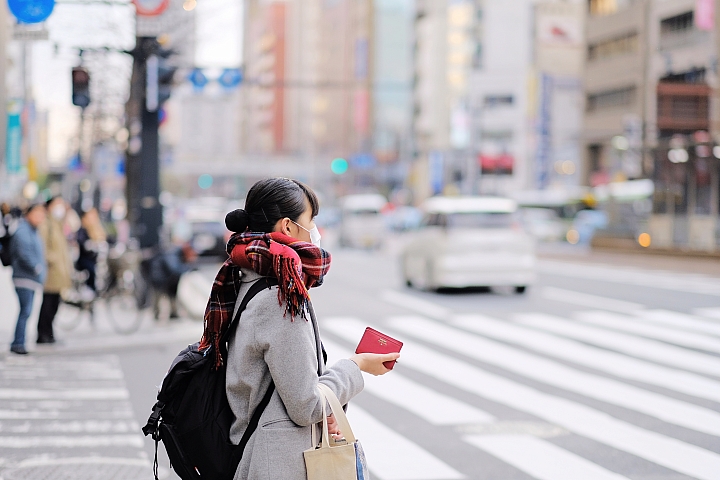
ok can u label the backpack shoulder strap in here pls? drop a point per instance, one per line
(255, 288)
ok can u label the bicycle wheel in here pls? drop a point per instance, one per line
(70, 315)
(123, 313)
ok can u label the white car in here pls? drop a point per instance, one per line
(362, 224)
(470, 242)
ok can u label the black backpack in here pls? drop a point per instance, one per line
(192, 416)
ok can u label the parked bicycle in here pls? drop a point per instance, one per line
(121, 290)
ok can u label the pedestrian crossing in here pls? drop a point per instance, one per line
(68, 417)
(600, 377)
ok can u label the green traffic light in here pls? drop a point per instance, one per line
(205, 181)
(339, 166)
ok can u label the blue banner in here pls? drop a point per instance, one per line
(13, 143)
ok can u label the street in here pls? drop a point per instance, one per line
(600, 371)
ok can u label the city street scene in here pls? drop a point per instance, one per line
(524, 193)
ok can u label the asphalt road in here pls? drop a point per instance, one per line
(600, 371)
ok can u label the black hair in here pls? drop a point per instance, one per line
(32, 206)
(52, 199)
(271, 200)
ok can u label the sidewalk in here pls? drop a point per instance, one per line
(99, 337)
(584, 254)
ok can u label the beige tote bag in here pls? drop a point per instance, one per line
(343, 460)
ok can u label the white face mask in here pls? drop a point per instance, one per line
(58, 212)
(315, 236)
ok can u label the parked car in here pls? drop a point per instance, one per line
(403, 218)
(469, 242)
(544, 224)
(585, 224)
(361, 221)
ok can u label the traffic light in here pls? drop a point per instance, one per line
(159, 76)
(80, 87)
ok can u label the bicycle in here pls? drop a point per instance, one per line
(122, 290)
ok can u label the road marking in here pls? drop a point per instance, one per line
(713, 313)
(74, 394)
(587, 300)
(72, 442)
(552, 373)
(575, 417)
(391, 456)
(680, 320)
(541, 459)
(638, 347)
(697, 284)
(593, 357)
(416, 304)
(428, 404)
(630, 325)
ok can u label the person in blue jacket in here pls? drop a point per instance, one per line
(28, 264)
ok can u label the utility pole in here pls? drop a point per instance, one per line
(142, 167)
(150, 86)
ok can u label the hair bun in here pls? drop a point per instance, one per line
(237, 220)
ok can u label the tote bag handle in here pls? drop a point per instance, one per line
(329, 397)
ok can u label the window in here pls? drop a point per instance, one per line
(498, 100)
(678, 23)
(616, 46)
(611, 98)
(480, 220)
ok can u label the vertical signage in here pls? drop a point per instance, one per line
(13, 143)
(437, 171)
(544, 145)
(705, 14)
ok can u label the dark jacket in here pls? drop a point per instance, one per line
(28, 257)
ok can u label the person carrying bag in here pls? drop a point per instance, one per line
(277, 340)
(333, 459)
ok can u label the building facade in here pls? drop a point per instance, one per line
(648, 88)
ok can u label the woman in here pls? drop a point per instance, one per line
(90, 238)
(277, 336)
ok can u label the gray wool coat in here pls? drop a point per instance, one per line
(268, 345)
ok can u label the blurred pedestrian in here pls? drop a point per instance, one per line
(90, 239)
(59, 267)
(165, 271)
(28, 264)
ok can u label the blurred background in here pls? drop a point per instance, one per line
(525, 192)
(560, 105)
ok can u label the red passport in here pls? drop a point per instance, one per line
(373, 341)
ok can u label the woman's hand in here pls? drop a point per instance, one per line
(372, 363)
(333, 428)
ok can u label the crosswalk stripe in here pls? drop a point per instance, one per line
(580, 419)
(74, 394)
(552, 373)
(679, 282)
(541, 459)
(416, 304)
(680, 320)
(433, 406)
(632, 345)
(391, 456)
(713, 313)
(593, 357)
(72, 441)
(587, 300)
(628, 324)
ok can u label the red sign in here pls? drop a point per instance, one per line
(150, 8)
(502, 163)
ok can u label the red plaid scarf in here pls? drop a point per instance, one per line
(297, 265)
